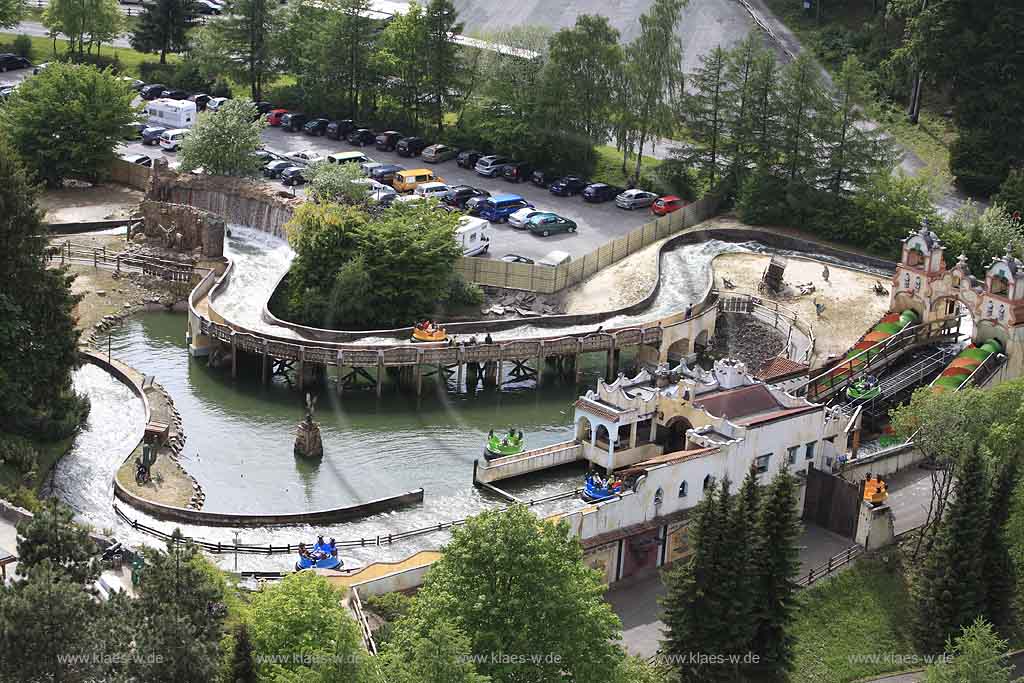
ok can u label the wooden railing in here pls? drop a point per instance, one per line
(834, 563)
(68, 252)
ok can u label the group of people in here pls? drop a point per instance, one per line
(320, 551)
(597, 481)
(513, 439)
(428, 326)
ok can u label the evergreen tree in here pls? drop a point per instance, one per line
(163, 27)
(741, 75)
(740, 574)
(800, 98)
(443, 65)
(776, 561)
(706, 113)
(243, 667)
(765, 110)
(976, 656)
(53, 537)
(1011, 192)
(950, 590)
(243, 43)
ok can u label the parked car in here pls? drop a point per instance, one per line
(472, 205)
(388, 140)
(543, 178)
(407, 181)
(293, 176)
(140, 159)
(385, 173)
(274, 116)
(555, 258)
(516, 258)
(600, 192)
(316, 127)
(151, 135)
(663, 206)
(201, 100)
(152, 91)
(361, 137)
(133, 131)
(264, 156)
(10, 61)
(499, 207)
(215, 103)
(435, 154)
(635, 199)
(468, 158)
(346, 158)
(519, 218)
(263, 107)
(568, 186)
(175, 94)
(7, 90)
(170, 140)
(435, 190)
(40, 68)
(460, 194)
(516, 171)
(368, 166)
(385, 194)
(133, 83)
(274, 168)
(293, 121)
(410, 147)
(490, 166)
(206, 7)
(337, 130)
(548, 223)
(306, 156)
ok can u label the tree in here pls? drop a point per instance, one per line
(765, 114)
(301, 630)
(950, 591)
(242, 42)
(344, 183)
(225, 143)
(67, 121)
(885, 207)
(243, 666)
(442, 653)
(776, 561)
(405, 35)
(52, 536)
(443, 65)
(180, 612)
(1011, 192)
(163, 27)
(981, 234)
(37, 329)
(801, 97)
(654, 71)
(977, 655)
(741, 102)
(583, 69)
(11, 12)
(517, 586)
(706, 113)
(85, 23)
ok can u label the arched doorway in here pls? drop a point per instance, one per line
(701, 342)
(678, 349)
(603, 439)
(584, 433)
(675, 434)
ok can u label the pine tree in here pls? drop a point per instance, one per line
(706, 114)
(741, 578)
(740, 104)
(243, 668)
(999, 572)
(53, 537)
(950, 590)
(163, 27)
(800, 98)
(776, 561)
(765, 110)
(442, 25)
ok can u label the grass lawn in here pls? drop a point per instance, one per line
(42, 51)
(862, 612)
(49, 453)
(609, 166)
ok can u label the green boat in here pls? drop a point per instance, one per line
(501, 446)
(864, 389)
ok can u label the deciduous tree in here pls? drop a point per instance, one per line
(343, 183)
(438, 652)
(225, 142)
(11, 12)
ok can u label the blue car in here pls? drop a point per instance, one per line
(499, 207)
(151, 135)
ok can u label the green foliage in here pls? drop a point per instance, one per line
(881, 215)
(23, 46)
(301, 623)
(462, 292)
(241, 45)
(18, 452)
(53, 537)
(443, 654)
(243, 667)
(88, 108)
(225, 143)
(390, 606)
(344, 183)
(1011, 192)
(976, 655)
(517, 586)
(85, 23)
(442, 66)
(981, 235)
(11, 12)
(22, 497)
(37, 329)
(163, 27)
(358, 273)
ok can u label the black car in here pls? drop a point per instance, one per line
(337, 130)
(361, 137)
(274, 168)
(293, 122)
(175, 94)
(468, 158)
(600, 192)
(264, 107)
(316, 127)
(293, 176)
(516, 171)
(386, 173)
(151, 134)
(568, 185)
(201, 99)
(410, 147)
(9, 61)
(460, 194)
(388, 140)
(152, 91)
(543, 178)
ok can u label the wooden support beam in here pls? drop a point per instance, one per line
(380, 375)
(234, 357)
(540, 370)
(302, 368)
(266, 362)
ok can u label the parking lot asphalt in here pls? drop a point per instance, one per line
(598, 223)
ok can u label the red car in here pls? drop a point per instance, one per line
(667, 204)
(274, 116)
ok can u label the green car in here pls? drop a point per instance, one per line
(546, 223)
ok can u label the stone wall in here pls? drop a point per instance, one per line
(184, 228)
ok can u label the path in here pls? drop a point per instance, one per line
(34, 28)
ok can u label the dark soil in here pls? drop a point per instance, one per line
(747, 339)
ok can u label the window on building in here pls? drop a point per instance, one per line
(809, 451)
(684, 488)
(709, 482)
(761, 463)
(791, 454)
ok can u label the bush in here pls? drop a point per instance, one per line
(977, 161)
(464, 293)
(18, 452)
(672, 176)
(23, 46)
(101, 62)
(390, 606)
(155, 72)
(22, 497)
(1011, 192)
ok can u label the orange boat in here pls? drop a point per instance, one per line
(428, 332)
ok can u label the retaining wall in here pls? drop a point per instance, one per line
(883, 462)
(529, 461)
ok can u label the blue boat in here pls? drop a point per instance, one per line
(321, 556)
(596, 489)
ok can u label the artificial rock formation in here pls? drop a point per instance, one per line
(308, 443)
(183, 228)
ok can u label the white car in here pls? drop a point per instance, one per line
(435, 190)
(215, 103)
(409, 198)
(518, 219)
(367, 166)
(170, 140)
(635, 199)
(306, 156)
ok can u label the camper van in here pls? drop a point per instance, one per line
(171, 113)
(472, 235)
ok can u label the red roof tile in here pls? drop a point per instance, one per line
(738, 402)
(780, 367)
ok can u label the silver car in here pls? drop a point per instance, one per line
(490, 166)
(635, 199)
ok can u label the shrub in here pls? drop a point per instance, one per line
(1011, 192)
(464, 293)
(155, 72)
(18, 452)
(101, 62)
(976, 160)
(390, 606)
(672, 176)
(22, 497)
(23, 46)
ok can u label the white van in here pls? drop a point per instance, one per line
(170, 140)
(554, 258)
(347, 158)
(435, 190)
(472, 235)
(171, 113)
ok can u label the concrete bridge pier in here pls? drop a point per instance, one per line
(490, 373)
